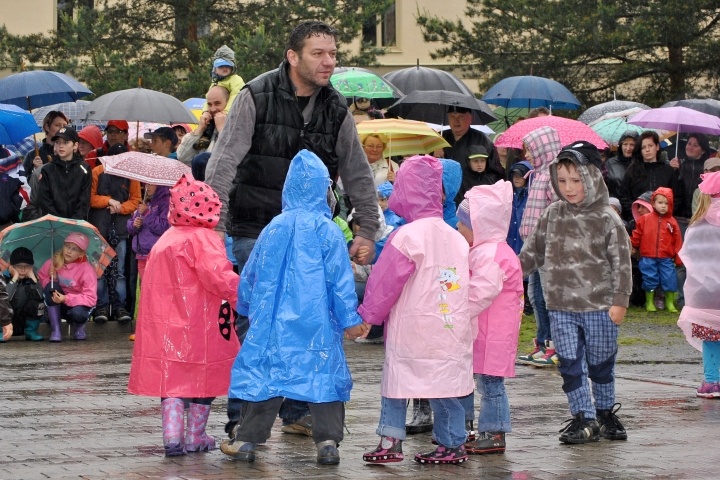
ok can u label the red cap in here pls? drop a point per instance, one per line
(119, 124)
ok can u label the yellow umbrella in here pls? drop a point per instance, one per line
(404, 137)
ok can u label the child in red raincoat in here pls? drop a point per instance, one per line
(184, 344)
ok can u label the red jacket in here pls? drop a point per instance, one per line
(658, 236)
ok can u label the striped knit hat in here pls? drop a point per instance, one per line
(463, 213)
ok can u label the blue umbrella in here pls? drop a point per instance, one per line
(531, 92)
(38, 88)
(15, 124)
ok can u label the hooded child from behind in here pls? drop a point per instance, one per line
(496, 294)
(184, 343)
(298, 291)
(419, 290)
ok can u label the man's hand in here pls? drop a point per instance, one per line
(220, 119)
(365, 255)
(617, 314)
(7, 332)
(360, 330)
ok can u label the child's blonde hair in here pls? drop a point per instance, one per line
(58, 259)
(703, 207)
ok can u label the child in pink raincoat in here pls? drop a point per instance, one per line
(419, 289)
(700, 317)
(496, 289)
(184, 344)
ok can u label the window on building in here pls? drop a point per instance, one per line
(382, 32)
(69, 8)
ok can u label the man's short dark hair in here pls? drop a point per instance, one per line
(306, 30)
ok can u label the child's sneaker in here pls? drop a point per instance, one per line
(389, 450)
(549, 358)
(486, 442)
(328, 453)
(580, 430)
(708, 390)
(244, 451)
(442, 455)
(538, 351)
(610, 426)
(470, 429)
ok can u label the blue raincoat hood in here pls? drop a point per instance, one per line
(451, 179)
(298, 290)
(306, 185)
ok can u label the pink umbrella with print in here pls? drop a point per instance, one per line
(569, 130)
(145, 168)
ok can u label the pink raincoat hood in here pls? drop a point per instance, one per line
(543, 145)
(490, 211)
(419, 193)
(193, 204)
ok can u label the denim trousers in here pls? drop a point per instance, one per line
(494, 405)
(537, 299)
(120, 284)
(711, 361)
(291, 410)
(448, 425)
(77, 315)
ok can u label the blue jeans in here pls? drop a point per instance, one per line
(494, 405)
(198, 165)
(537, 299)
(77, 315)
(120, 284)
(658, 272)
(711, 361)
(291, 410)
(448, 424)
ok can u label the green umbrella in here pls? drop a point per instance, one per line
(506, 117)
(362, 84)
(46, 235)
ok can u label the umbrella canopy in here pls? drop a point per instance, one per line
(569, 130)
(38, 88)
(432, 105)
(595, 112)
(422, 78)
(529, 91)
(358, 83)
(195, 105)
(480, 128)
(677, 119)
(506, 117)
(72, 111)
(705, 105)
(15, 124)
(145, 167)
(404, 137)
(138, 105)
(611, 129)
(45, 235)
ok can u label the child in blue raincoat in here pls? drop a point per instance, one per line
(298, 291)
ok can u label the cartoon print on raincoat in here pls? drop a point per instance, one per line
(448, 279)
(298, 290)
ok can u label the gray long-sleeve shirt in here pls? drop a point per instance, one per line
(234, 143)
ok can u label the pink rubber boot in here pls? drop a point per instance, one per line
(196, 440)
(173, 422)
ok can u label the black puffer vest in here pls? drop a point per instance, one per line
(256, 195)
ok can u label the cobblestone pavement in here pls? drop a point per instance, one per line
(66, 414)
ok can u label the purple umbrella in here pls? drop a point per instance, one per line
(677, 119)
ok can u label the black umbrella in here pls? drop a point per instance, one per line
(422, 78)
(432, 105)
(705, 105)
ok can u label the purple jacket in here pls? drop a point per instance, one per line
(155, 222)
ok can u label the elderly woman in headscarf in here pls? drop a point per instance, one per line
(383, 169)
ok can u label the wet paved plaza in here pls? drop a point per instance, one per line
(66, 414)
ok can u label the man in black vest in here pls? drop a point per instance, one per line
(274, 117)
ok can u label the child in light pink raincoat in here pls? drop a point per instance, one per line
(700, 317)
(497, 290)
(184, 344)
(419, 289)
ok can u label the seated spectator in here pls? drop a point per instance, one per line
(25, 295)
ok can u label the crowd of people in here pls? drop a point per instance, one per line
(294, 233)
